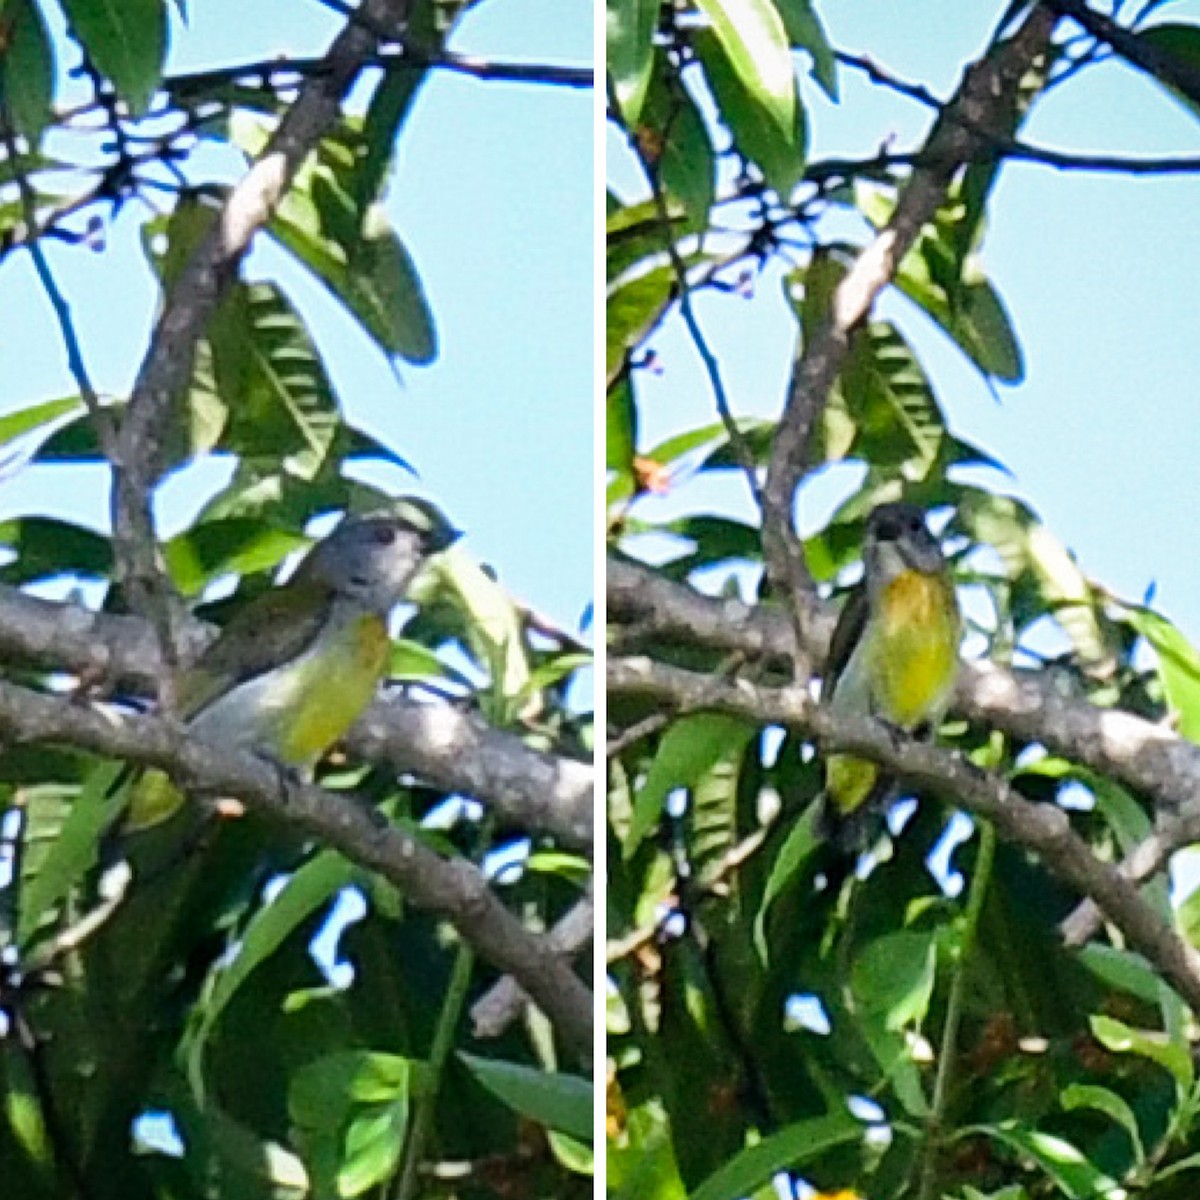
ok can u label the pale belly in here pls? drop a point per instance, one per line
(295, 714)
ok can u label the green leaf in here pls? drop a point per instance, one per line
(1181, 40)
(620, 440)
(675, 144)
(323, 1089)
(802, 840)
(1173, 1056)
(634, 309)
(237, 546)
(1122, 969)
(15, 424)
(688, 751)
(1083, 1095)
(893, 977)
(45, 548)
(756, 43)
(372, 1149)
(127, 40)
(1063, 1162)
(804, 29)
(629, 29)
(562, 1102)
(791, 1147)
(1178, 667)
(27, 69)
(74, 850)
(310, 887)
(780, 158)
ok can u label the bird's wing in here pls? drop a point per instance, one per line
(272, 629)
(846, 635)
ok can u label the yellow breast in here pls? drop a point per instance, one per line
(916, 648)
(338, 682)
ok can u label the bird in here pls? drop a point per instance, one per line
(894, 656)
(296, 667)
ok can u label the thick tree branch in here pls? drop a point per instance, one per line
(453, 888)
(505, 1000)
(449, 748)
(1164, 66)
(1042, 828)
(981, 104)
(1147, 757)
(194, 298)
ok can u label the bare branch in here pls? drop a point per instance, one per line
(1164, 66)
(451, 749)
(505, 1000)
(1042, 828)
(191, 303)
(1149, 758)
(982, 101)
(453, 888)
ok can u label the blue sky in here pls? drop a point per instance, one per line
(1098, 272)
(493, 196)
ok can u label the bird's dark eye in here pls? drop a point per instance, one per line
(384, 535)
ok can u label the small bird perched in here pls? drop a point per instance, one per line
(894, 654)
(298, 665)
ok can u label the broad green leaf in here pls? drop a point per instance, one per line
(1181, 40)
(675, 144)
(634, 309)
(74, 851)
(323, 1089)
(1116, 1108)
(789, 1148)
(1178, 667)
(26, 420)
(755, 133)
(127, 40)
(620, 442)
(45, 548)
(804, 29)
(390, 105)
(756, 43)
(562, 1102)
(493, 628)
(689, 749)
(237, 546)
(372, 1149)
(1063, 1162)
(1172, 1055)
(893, 977)
(629, 27)
(1122, 969)
(27, 69)
(802, 840)
(310, 887)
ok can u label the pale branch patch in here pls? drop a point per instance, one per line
(450, 887)
(1042, 828)
(504, 1002)
(981, 104)
(449, 748)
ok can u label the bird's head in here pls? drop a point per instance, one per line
(374, 558)
(898, 540)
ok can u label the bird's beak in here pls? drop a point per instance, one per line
(442, 538)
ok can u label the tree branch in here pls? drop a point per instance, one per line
(191, 303)
(1147, 757)
(452, 888)
(505, 1000)
(1042, 828)
(449, 748)
(1163, 66)
(982, 101)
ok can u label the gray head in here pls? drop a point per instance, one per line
(898, 540)
(374, 558)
